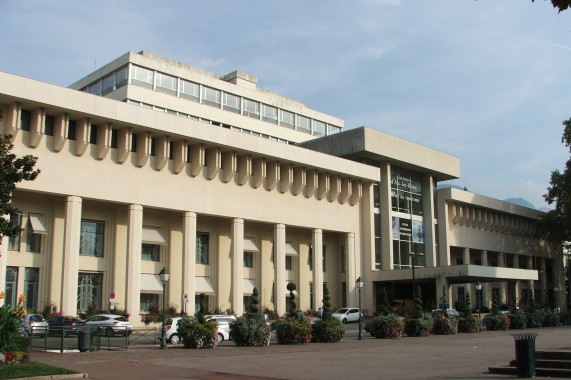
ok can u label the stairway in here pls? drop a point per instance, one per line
(547, 364)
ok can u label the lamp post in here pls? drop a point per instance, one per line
(478, 296)
(360, 286)
(164, 275)
(412, 257)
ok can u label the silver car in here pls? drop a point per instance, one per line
(110, 324)
(34, 324)
(347, 314)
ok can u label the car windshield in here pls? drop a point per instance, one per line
(342, 311)
(36, 318)
(121, 319)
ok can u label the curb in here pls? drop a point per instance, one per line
(58, 377)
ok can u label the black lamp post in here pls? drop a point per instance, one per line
(164, 275)
(412, 256)
(360, 286)
(478, 296)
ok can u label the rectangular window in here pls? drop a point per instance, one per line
(318, 128)
(71, 130)
(251, 109)
(25, 120)
(93, 134)
(333, 129)
(33, 239)
(94, 88)
(343, 259)
(310, 258)
(197, 303)
(231, 103)
(11, 287)
(269, 114)
(146, 300)
(211, 97)
(89, 290)
(324, 259)
(107, 84)
(114, 133)
(303, 124)
(49, 125)
(150, 252)
(142, 77)
(288, 263)
(202, 243)
(92, 238)
(166, 84)
(248, 260)
(14, 241)
(121, 77)
(287, 119)
(31, 281)
(246, 302)
(344, 294)
(134, 142)
(189, 90)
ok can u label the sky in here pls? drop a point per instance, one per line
(486, 81)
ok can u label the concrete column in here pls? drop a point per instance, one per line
(516, 261)
(466, 255)
(317, 242)
(542, 280)
(486, 297)
(3, 261)
(279, 257)
(386, 222)
(71, 255)
(503, 296)
(189, 259)
(352, 270)
(430, 253)
(238, 265)
(134, 242)
(443, 238)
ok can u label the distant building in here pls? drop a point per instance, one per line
(150, 163)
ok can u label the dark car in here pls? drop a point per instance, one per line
(61, 324)
(483, 309)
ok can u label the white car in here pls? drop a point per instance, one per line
(223, 325)
(110, 324)
(33, 324)
(173, 336)
(347, 314)
(171, 331)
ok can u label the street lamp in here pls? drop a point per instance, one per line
(164, 275)
(360, 286)
(412, 256)
(478, 296)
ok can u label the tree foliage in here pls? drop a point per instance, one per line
(556, 224)
(13, 170)
(560, 4)
(326, 304)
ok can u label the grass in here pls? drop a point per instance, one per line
(30, 370)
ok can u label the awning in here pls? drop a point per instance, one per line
(151, 283)
(153, 235)
(248, 286)
(37, 224)
(250, 246)
(203, 285)
(287, 291)
(289, 249)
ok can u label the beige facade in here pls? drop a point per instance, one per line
(149, 163)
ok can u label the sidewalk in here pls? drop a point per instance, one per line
(462, 356)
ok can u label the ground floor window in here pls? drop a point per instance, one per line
(150, 252)
(147, 300)
(11, 286)
(247, 301)
(344, 294)
(288, 303)
(89, 290)
(197, 303)
(31, 280)
(288, 263)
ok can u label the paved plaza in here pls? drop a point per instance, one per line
(462, 356)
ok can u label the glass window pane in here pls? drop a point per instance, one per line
(89, 290)
(211, 97)
(231, 103)
(202, 241)
(147, 300)
(11, 287)
(150, 252)
(31, 280)
(303, 124)
(166, 84)
(107, 84)
(121, 77)
(318, 128)
(269, 114)
(25, 120)
(142, 77)
(189, 90)
(251, 109)
(287, 119)
(49, 125)
(92, 238)
(33, 241)
(14, 241)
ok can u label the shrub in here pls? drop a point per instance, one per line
(331, 331)
(293, 330)
(535, 318)
(496, 322)
(517, 321)
(195, 334)
(418, 326)
(469, 324)
(249, 331)
(385, 327)
(550, 319)
(11, 339)
(445, 326)
(565, 317)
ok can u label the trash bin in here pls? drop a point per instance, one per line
(525, 354)
(84, 339)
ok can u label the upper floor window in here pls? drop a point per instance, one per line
(343, 259)
(150, 252)
(166, 83)
(49, 125)
(71, 130)
(94, 88)
(121, 77)
(303, 124)
(14, 241)
(25, 120)
(333, 129)
(189, 90)
(269, 114)
(324, 258)
(91, 238)
(248, 259)
(231, 103)
(152, 240)
(202, 243)
(35, 228)
(287, 119)
(142, 77)
(251, 109)
(288, 263)
(210, 97)
(318, 128)
(107, 84)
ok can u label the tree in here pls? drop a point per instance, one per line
(13, 170)
(291, 287)
(254, 302)
(468, 306)
(383, 306)
(560, 4)
(418, 303)
(326, 316)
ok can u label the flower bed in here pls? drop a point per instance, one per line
(445, 326)
(294, 330)
(385, 327)
(249, 331)
(195, 334)
(331, 331)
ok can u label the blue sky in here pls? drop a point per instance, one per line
(486, 81)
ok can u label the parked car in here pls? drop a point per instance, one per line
(64, 325)
(445, 313)
(33, 324)
(347, 314)
(223, 325)
(110, 324)
(483, 309)
(171, 335)
(266, 319)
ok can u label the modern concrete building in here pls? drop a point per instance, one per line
(150, 163)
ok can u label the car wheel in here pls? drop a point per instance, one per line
(175, 339)
(344, 320)
(109, 332)
(220, 338)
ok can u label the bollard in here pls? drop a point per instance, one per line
(84, 339)
(525, 354)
